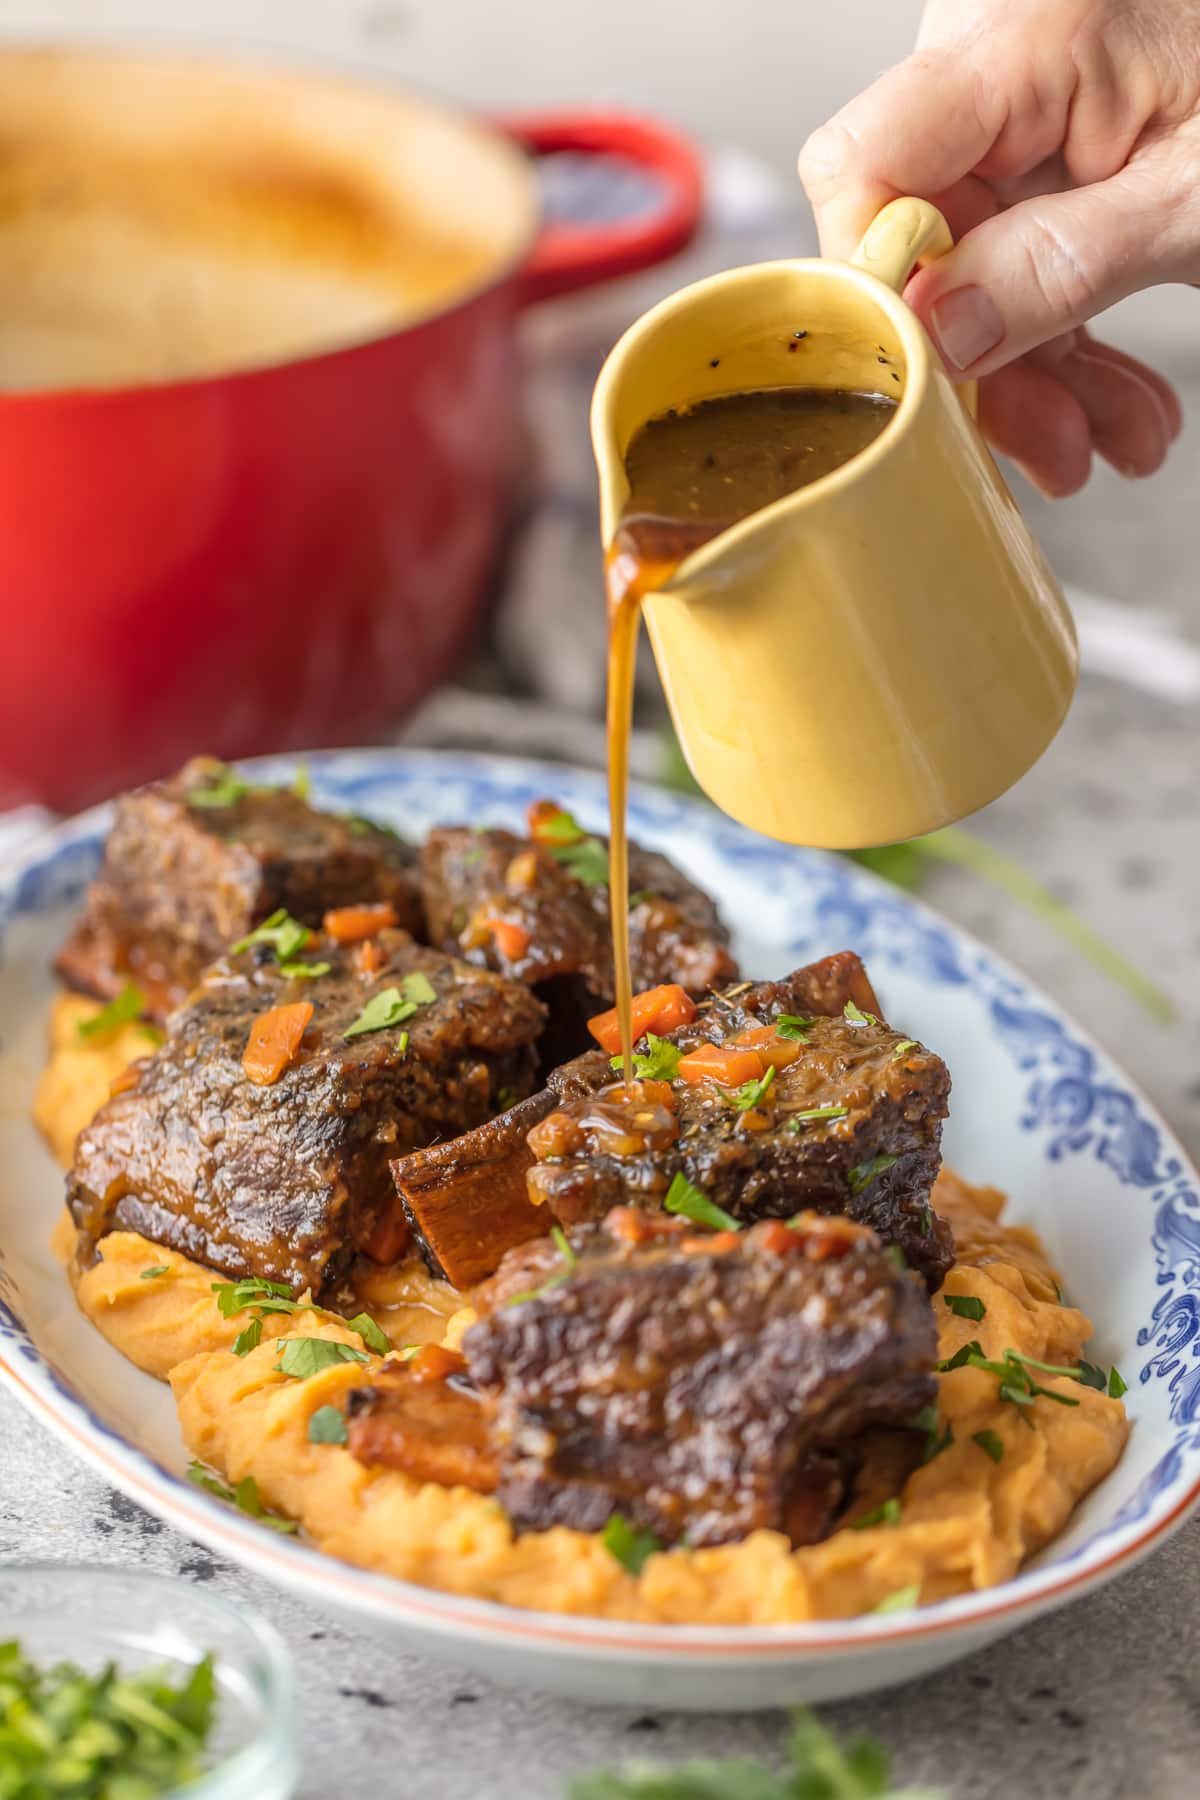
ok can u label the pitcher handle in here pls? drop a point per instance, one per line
(905, 236)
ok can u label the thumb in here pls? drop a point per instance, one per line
(1047, 266)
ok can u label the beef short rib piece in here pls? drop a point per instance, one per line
(182, 879)
(290, 1180)
(550, 903)
(704, 1385)
(850, 1122)
(432, 1430)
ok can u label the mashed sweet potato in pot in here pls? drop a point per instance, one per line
(1004, 1482)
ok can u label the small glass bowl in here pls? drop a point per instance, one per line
(91, 1616)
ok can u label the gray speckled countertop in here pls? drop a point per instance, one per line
(1100, 1700)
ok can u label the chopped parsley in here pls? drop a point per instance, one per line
(819, 1768)
(640, 897)
(632, 1548)
(557, 826)
(1116, 1384)
(266, 1296)
(249, 1338)
(961, 1357)
(1017, 1385)
(659, 1062)
(887, 1514)
(303, 1357)
(302, 783)
(360, 827)
(507, 1096)
(928, 1421)
(903, 1048)
(223, 786)
(154, 1273)
(402, 1043)
(327, 1426)
(244, 1496)
(372, 1335)
(896, 1257)
(965, 1306)
(866, 1172)
(586, 860)
(854, 1015)
(284, 934)
(903, 1600)
(935, 1443)
(813, 1115)
(563, 1246)
(65, 1732)
(793, 1025)
(991, 1443)
(751, 1093)
(387, 1008)
(122, 1010)
(684, 1198)
(302, 971)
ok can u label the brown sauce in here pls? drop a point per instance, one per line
(692, 474)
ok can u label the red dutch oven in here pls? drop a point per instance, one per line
(259, 426)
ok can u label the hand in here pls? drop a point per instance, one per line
(1061, 138)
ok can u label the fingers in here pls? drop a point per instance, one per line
(1027, 414)
(1073, 398)
(1043, 268)
(917, 130)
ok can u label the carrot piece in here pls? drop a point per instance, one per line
(390, 1237)
(721, 1062)
(434, 1363)
(369, 958)
(511, 940)
(274, 1040)
(777, 1052)
(660, 1009)
(549, 823)
(351, 924)
(778, 1238)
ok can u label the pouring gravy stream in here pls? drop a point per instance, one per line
(692, 474)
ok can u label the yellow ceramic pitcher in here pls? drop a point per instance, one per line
(885, 650)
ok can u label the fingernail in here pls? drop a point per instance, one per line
(966, 325)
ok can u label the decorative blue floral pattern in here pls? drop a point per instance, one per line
(1074, 1104)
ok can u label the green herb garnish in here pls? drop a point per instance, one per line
(903, 1600)
(302, 783)
(559, 827)
(123, 1009)
(302, 971)
(327, 1426)
(284, 934)
(1116, 1384)
(866, 1172)
(751, 1093)
(387, 1008)
(302, 1357)
(813, 1115)
(659, 1062)
(965, 1306)
(684, 1198)
(632, 1548)
(154, 1273)
(362, 827)
(559, 1237)
(371, 1334)
(854, 1015)
(586, 860)
(249, 1338)
(234, 1297)
(792, 1025)
(223, 786)
(244, 1496)
(961, 1357)
(69, 1735)
(563, 1246)
(887, 1514)
(990, 1442)
(903, 1048)
(1017, 1385)
(640, 896)
(402, 1043)
(935, 1444)
(819, 1768)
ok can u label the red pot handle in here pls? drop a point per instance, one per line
(565, 257)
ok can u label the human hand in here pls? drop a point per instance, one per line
(1061, 138)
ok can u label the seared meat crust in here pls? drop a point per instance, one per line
(288, 1181)
(180, 882)
(703, 1386)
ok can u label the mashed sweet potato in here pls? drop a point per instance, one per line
(967, 1519)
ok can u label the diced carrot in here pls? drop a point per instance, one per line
(274, 1040)
(713, 1243)
(778, 1238)
(369, 957)
(550, 824)
(632, 1225)
(660, 1009)
(522, 871)
(511, 939)
(350, 924)
(390, 1237)
(723, 1063)
(777, 1052)
(434, 1363)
